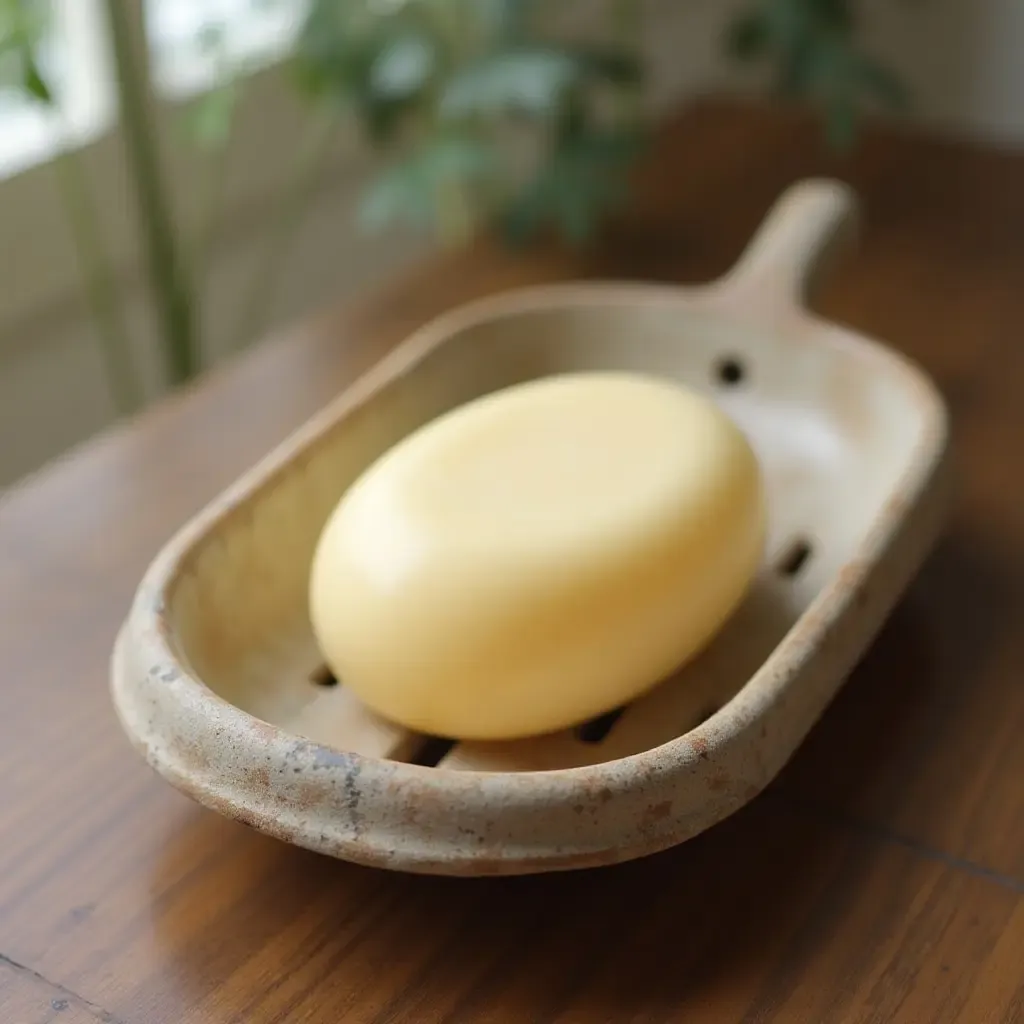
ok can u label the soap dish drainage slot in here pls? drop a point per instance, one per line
(323, 676)
(794, 557)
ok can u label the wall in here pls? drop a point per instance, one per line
(53, 392)
(963, 59)
(967, 77)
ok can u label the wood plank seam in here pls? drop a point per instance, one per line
(887, 837)
(62, 995)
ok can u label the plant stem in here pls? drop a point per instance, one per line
(215, 160)
(627, 27)
(98, 279)
(260, 294)
(167, 277)
(206, 218)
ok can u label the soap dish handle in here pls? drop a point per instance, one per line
(782, 266)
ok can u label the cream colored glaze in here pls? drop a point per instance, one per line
(538, 556)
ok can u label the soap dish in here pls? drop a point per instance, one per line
(217, 680)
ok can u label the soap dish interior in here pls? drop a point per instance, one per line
(218, 679)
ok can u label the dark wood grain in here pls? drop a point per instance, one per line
(881, 879)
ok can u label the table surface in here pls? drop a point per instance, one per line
(881, 878)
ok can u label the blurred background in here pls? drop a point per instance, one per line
(180, 178)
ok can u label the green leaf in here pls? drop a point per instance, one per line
(455, 157)
(381, 67)
(34, 83)
(11, 68)
(403, 67)
(209, 119)
(791, 21)
(613, 65)
(584, 179)
(210, 37)
(505, 20)
(407, 192)
(334, 50)
(749, 37)
(880, 82)
(23, 23)
(380, 116)
(831, 15)
(533, 81)
(841, 124)
(797, 70)
(818, 66)
(395, 196)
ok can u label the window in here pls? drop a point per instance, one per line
(190, 40)
(53, 390)
(269, 131)
(71, 57)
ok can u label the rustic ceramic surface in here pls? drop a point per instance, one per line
(218, 683)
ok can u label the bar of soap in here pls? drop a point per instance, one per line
(538, 556)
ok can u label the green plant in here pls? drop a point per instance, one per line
(815, 48)
(484, 112)
(170, 285)
(481, 116)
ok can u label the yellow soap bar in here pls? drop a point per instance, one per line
(538, 556)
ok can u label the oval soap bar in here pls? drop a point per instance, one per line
(538, 556)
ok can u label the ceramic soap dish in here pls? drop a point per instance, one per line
(218, 682)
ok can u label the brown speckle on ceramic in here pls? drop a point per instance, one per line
(214, 672)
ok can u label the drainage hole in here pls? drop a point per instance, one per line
(794, 557)
(432, 751)
(598, 728)
(323, 676)
(730, 372)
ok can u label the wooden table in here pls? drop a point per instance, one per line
(881, 879)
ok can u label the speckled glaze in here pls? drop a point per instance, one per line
(212, 671)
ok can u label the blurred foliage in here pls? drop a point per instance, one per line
(483, 116)
(526, 114)
(22, 29)
(446, 88)
(485, 113)
(814, 47)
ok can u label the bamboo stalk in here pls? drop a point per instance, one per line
(168, 280)
(99, 284)
(94, 263)
(628, 28)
